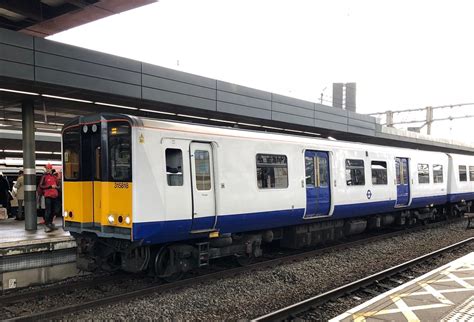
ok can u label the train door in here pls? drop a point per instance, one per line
(92, 155)
(203, 190)
(403, 182)
(318, 194)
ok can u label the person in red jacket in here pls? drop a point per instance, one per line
(49, 187)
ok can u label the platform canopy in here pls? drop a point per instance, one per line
(47, 17)
(64, 81)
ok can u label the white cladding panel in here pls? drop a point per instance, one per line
(148, 176)
(238, 174)
(430, 159)
(455, 185)
(347, 194)
(178, 198)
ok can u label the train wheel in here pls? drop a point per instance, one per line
(137, 260)
(165, 265)
(245, 260)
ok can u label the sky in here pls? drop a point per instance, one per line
(402, 54)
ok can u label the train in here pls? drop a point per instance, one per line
(166, 196)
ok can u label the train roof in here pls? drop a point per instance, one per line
(238, 133)
(212, 130)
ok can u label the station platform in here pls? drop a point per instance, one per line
(29, 258)
(444, 294)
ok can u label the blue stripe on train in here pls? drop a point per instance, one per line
(426, 201)
(457, 197)
(175, 230)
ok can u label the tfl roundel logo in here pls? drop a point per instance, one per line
(369, 194)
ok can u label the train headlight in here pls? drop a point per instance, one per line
(111, 219)
(65, 214)
(127, 220)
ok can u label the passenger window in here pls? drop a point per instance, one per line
(437, 173)
(397, 170)
(471, 173)
(379, 172)
(404, 165)
(423, 173)
(309, 164)
(322, 164)
(174, 167)
(272, 171)
(462, 173)
(203, 170)
(355, 175)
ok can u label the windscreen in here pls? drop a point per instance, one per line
(71, 153)
(120, 152)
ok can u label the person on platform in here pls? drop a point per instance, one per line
(49, 188)
(20, 195)
(4, 188)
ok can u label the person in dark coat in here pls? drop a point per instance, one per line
(4, 191)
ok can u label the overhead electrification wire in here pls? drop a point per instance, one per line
(423, 108)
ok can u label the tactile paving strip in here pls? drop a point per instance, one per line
(464, 312)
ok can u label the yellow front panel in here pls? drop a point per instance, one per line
(78, 200)
(95, 201)
(116, 200)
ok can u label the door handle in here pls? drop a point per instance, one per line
(204, 194)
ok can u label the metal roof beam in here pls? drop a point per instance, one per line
(17, 25)
(80, 3)
(32, 9)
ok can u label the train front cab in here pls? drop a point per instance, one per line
(97, 186)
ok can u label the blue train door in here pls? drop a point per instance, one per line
(403, 182)
(318, 194)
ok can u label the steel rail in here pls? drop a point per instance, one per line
(54, 289)
(290, 312)
(160, 288)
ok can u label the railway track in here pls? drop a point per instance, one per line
(159, 287)
(292, 311)
(95, 282)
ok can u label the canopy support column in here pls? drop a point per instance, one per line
(29, 163)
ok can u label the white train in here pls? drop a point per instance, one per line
(171, 195)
